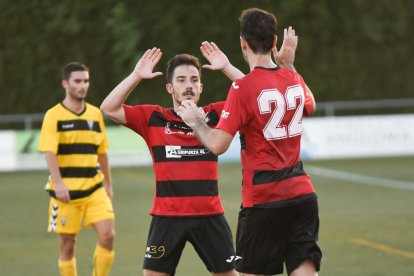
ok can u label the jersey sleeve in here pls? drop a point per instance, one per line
(231, 119)
(49, 138)
(137, 119)
(103, 147)
(309, 103)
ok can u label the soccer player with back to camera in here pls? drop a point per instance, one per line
(279, 220)
(74, 141)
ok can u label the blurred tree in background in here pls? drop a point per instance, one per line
(348, 49)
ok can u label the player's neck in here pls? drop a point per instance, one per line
(260, 60)
(73, 105)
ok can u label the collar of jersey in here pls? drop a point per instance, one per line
(268, 69)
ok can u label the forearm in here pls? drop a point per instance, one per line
(53, 166)
(105, 169)
(216, 140)
(112, 105)
(232, 72)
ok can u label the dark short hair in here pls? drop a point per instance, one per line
(181, 59)
(72, 67)
(258, 28)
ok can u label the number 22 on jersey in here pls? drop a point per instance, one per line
(274, 129)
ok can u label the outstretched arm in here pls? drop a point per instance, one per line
(112, 105)
(219, 61)
(286, 56)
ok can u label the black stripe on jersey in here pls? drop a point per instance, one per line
(268, 176)
(86, 172)
(182, 154)
(77, 149)
(158, 120)
(242, 142)
(212, 118)
(76, 194)
(69, 125)
(182, 188)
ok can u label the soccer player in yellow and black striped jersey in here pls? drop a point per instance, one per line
(75, 144)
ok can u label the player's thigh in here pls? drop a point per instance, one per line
(212, 239)
(98, 208)
(166, 240)
(65, 218)
(261, 240)
(303, 236)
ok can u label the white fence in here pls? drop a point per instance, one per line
(323, 138)
(27, 121)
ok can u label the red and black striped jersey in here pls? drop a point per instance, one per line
(266, 107)
(186, 172)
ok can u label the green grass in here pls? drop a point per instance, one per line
(348, 210)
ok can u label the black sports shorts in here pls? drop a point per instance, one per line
(269, 237)
(210, 236)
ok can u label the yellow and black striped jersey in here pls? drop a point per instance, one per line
(77, 139)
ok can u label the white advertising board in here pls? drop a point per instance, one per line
(358, 136)
(8, 155)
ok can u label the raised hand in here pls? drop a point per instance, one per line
(145, 66)
(218, 60)
(286, 55)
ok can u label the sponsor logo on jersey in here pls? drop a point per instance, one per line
(225, 114)
(171, 128)
(235, 86)
(68, 126)
(178, 151)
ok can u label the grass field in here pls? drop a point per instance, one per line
(366, 211)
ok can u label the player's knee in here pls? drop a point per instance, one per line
(67, 247)
(107, 237)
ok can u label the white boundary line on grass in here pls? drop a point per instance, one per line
(354, 177)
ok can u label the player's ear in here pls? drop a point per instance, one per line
(243, 43)
(201, 88)
(274, 42)
(169, 88)
(65, 84)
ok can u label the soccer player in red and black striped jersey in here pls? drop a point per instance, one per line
(186, 205)
(279, 220)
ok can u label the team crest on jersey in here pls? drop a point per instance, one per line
(179, 152)
(90, 124)
(63, 220)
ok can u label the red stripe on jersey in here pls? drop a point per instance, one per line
(185, 206)
(193, 170)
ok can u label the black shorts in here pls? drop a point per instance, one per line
(210, 236)
(269, 237)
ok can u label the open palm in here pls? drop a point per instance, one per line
(217, 59)
(145, 66)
